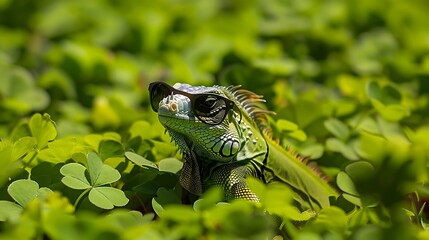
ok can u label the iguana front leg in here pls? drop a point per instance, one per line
(232, 178)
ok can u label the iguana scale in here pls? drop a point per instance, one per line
(222, 134)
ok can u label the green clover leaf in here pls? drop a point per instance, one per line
(107, 197)
(9, 211)
(23, 191)
(43, 129)
(139, 160)
(74, 176)
(337, 128)
(99, 174)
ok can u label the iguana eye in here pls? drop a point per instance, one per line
(210, 108)
(205, 104)
(210, 102)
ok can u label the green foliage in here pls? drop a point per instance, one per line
(348, 80)
(99, 174)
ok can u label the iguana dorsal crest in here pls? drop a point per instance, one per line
(249, 104)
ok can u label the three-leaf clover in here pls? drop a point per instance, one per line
(100, 174)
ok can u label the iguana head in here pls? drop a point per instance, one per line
(199, 119)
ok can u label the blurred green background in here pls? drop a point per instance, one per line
(86, 62)
(349, 81)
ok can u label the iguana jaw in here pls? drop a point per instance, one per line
(220, 145)
(165, 115)
(180, 140)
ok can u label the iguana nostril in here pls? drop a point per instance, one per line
(173, 106)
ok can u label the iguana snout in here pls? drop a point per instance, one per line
(175, 105)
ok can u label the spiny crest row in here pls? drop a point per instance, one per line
(248, 101)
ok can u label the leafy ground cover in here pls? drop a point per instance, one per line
(83, 156)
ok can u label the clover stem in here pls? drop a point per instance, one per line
(31, 159)
(80, 197)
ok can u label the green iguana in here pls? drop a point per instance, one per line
(221, 134)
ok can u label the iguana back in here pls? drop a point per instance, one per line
(222, 134)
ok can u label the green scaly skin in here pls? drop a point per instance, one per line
(225, 154)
